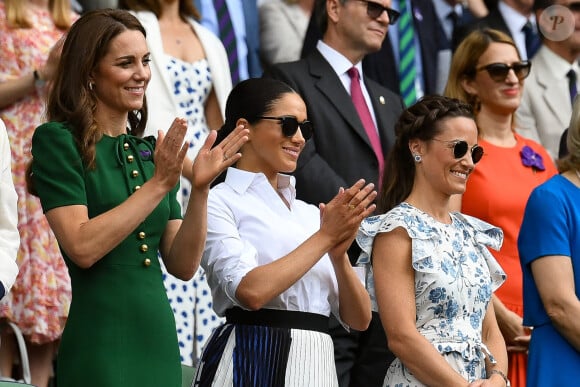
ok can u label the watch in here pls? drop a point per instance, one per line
(505, 379)
(38, 82)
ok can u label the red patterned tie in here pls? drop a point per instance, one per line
(365, 116)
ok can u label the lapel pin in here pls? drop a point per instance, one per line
(382, 100)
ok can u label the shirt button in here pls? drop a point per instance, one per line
(141, 235)
(126, 146)
(130, 158)
(137, 188)
(134, 173)
(147, 262)
(144, 248)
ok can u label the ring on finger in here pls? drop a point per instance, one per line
(351, 206)
(225, 157)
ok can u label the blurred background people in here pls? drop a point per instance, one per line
(39, 301)
(553, 84)
(356, 117)
(237, 25)
(9, 237)
(89, 5)
(276, 265)
(488, 73)
(283, 25)
(514, 18)
(190, 78)
(432, 276)
(110, 197)
(549, 250)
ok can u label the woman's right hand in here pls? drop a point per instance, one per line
(170, 151)
(341, 217)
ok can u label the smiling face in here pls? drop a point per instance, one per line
(121, 76)
(497, 97)
(439, 169)
(268, 150)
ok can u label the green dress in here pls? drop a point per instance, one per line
(120, 331)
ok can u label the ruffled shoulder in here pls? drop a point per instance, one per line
(486, 235)
(404, 215)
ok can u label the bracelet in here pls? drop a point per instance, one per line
(498, 372)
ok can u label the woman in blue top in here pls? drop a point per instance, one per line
(549, 246)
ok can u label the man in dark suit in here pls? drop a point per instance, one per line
(341, 151)
(382, 66)
(244, 14)
(514, 17)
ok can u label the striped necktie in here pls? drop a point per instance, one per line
(572, 79)
(407, 70)
(228, 37)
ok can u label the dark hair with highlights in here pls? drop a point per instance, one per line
(419, 121)
(70, 99)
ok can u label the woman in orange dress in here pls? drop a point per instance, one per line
(38, 303)
(488, 72)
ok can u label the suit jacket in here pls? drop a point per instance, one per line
(545, 109)
(339, 152)
(493, 20)
(381, 66)
(282, 29)
(162, 104)
(250, 9)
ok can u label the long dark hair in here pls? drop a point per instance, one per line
(419, 121)
(71, 99)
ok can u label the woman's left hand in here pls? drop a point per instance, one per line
(209, 162)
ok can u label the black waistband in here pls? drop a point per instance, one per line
(278, 319)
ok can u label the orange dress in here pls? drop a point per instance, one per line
(40, 298)
(497, 192)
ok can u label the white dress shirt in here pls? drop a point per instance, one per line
(516, 22)
(249, 225)
(9, 236)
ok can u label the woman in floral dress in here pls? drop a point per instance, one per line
(431, 275)
(38, 303)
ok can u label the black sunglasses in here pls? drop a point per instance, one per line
(290, 125)
(374, 11)
(460, 148)
(499, 71)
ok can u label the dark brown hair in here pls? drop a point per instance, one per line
(70, 99)
(419, 121)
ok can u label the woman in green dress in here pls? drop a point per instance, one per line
(109, 196)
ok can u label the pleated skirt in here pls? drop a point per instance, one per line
(261, 356)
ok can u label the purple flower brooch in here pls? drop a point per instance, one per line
(532, 159)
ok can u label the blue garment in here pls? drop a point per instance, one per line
(455, 275)
(551, 226)
(244, 14)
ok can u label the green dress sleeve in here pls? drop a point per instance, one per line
(57, 167)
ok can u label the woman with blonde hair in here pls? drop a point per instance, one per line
(29, 36)
(488, 73)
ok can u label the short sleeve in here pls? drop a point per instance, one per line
(544, 228)
(57, 167)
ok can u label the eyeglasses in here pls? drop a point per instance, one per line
(460, 148)
(290, 125)
(374, 11)
(499, 71)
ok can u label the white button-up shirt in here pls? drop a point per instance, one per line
(249, 225)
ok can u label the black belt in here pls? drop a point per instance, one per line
(278, 319)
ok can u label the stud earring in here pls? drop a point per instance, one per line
(417, 158)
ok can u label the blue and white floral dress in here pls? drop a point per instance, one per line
(455, 276)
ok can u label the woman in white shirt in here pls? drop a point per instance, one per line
(277, 267)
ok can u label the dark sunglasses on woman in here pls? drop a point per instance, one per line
(290, 126)
(460, 148)
(499, 71)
